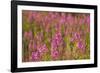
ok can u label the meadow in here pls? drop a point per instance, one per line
(53, 36)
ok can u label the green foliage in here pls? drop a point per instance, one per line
(47, 57)
(67, 41)
(26, 26)
(87, 40)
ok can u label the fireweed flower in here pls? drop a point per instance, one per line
(54, 44)
(57, 40)
(35, 56)
(88, 20)
(77, 36)
(81, 46)
(42, 49)
(72, 39)
(37, 16)
(62, 19)
(81, 21)
(88, 23)
(58, 36)
(54, 54)
(57, 27)
(70, 19)
(52, 15)
(34, 45)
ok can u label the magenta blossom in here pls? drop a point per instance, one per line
(70, 19)
(72, 39)
(88, 20)
(81, 46)
(62, 19)
(42, 49)
(77, 36)
(54, 44)
(35, 56)
(57, 40)
(34, 45)
(54, 54)
(81, 21)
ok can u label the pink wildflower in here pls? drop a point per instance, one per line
(54, 54)
(35, 56)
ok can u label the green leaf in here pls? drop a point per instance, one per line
(46, 57)
(67, 41)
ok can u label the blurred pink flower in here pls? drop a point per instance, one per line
(42, 49)
(72, 39)
(62, 19)
(57, 40)
(88, 20)
(88, 23)
(54, 54)
(35, 56)
(54, 44)
(70, 19)
(81, 21)
(77, 35)
(52, 15)
(34, 45)
(81, 46)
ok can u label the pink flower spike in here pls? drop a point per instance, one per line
(81, 21)
(72, 39)
(70, 19)
(88, 20)
(35, 56)
(77, 36)
(42, 49)
(81, 46)
(54, 54)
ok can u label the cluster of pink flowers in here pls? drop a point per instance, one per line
(55, 35)
(56, 42)
(36, 55)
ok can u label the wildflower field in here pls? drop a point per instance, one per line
(54, 36)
